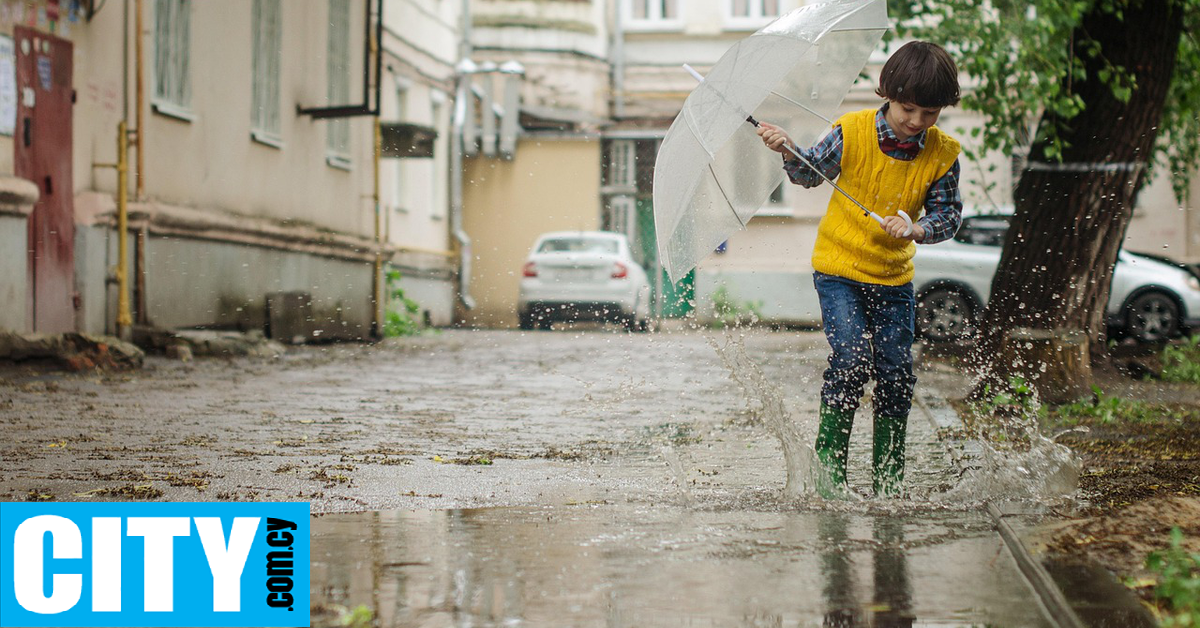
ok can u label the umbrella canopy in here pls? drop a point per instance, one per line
(713, 173)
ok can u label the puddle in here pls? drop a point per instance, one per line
(626, 565)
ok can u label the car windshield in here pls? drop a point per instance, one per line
(578, 245)
(983, 230)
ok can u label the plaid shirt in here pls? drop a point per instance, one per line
(943, 201)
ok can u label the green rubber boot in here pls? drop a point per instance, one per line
(833, 449)
(888, 459)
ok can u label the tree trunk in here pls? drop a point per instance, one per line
(1070, 219)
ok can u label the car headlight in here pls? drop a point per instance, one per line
(1194, 283)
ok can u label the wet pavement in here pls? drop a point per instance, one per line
(585, 477)
(651, 565)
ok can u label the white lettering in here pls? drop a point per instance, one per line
(106, 564)
(226, 563)
(159, 533)
(28, 570)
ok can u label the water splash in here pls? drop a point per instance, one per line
(1013, 460)
(680, 474)
(798, 454)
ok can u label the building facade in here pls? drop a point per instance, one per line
(252, 170)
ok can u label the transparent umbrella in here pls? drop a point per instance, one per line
(713, 173)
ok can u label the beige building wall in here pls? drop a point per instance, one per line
(421, 48)
(551, 185)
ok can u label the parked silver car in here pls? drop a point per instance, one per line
(583, 276)
(1150, 300)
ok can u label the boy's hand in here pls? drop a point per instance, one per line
(774, 137)
(895, 227)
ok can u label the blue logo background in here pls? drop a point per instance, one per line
(193, 586)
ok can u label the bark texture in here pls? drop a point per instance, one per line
(1071, 217)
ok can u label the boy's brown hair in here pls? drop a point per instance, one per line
(920, 73)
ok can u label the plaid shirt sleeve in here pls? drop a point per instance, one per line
(825, 155)
(943, 208)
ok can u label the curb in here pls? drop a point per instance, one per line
(966, 453)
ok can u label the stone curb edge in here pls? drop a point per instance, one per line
(966, 454)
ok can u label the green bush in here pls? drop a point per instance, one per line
(402, 322)
(1181, 363)
(730, 312)
(1178, 588)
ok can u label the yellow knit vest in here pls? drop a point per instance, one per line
(854, 246)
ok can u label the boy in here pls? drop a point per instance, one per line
(892, 159)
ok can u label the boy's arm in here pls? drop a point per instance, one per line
(826, 155)
(943, 208)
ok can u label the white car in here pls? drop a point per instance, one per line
(583, 276)
(1150, 300)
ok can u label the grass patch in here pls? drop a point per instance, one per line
(1181, 362)
(1104, 409)
(1177, 590)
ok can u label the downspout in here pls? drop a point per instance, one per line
(618, 64)
(124, 320)
(140, 300)
(377, 277)
(462, 93)
(139, 111)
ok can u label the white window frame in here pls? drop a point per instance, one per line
(623, 216)
(337, 82)
(172, 91)
(265, 118)
(623, 164)
(400, 175)
(655, 19)
(755, 19)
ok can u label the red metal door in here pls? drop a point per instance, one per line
(42, 154)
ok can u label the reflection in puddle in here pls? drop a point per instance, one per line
(616, 565)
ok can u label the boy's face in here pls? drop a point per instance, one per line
(907, 119)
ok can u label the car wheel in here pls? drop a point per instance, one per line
(944, 315)
(525, 319)
(1152, 317)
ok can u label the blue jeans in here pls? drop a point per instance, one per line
(870, 328)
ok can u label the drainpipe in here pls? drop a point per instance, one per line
(124, 320)
(462, 93)
(139, 111)
(377, 290)
(618, 64)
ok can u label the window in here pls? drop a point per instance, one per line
(172, 52)
(580, 245)
(337, 72)
(752, 13)
(653, 13)
(264, 107)
(988, 230)
(622, 167)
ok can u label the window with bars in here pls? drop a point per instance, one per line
(268, 40)
(622, 165)
(172, 57)
(337, 72)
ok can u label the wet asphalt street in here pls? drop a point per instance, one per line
(579, 478)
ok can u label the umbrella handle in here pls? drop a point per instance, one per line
(903, 215)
